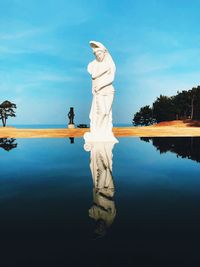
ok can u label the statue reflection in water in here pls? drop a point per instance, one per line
(103, 210)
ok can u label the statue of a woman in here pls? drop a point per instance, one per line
(102, 71)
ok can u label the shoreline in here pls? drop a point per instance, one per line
(145, 131)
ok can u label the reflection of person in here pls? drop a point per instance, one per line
(71, 140)
(102, 71)
(103, 210)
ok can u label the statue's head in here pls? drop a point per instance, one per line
(99, 50)
(99, 55)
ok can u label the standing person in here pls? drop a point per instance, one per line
(102, 71)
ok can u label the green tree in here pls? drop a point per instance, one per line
(7, 110)
(195, 103)
(183, 105)
(164, 109)
(144, 116)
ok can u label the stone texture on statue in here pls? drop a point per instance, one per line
(103, 210)
(102, 71)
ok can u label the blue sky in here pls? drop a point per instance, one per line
(44, 52)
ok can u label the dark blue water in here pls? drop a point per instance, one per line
(46, 191)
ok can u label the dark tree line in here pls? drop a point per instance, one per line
(7, 110)
(184, 105)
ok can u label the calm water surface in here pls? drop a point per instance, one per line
(143, 210)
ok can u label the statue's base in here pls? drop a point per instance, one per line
(90, 137)
(71, 126)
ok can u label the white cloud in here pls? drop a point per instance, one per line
(46, 76)
(21, 34)
(19, 81)
(163, 38)
(148, 63)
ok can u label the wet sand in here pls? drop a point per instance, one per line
(163, 129)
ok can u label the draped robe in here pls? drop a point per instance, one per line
(103, 74)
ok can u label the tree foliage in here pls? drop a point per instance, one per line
(164, 109)
(183, 105)
(7, 110)
(144, 116)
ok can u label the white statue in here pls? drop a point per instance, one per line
(102, 70)
(103, 210)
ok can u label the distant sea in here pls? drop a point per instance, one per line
(58, 126)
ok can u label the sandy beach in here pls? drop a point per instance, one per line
(173, 128)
